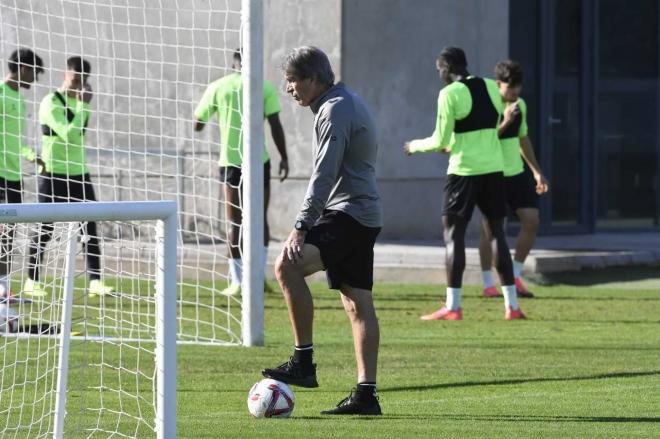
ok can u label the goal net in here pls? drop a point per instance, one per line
(151, 61)
(76, 364)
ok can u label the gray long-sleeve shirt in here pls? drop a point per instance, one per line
(345, 150)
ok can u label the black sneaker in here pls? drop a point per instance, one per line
(357, 403)
(294, 373)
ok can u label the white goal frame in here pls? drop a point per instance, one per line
(165, 213)
(253, 204)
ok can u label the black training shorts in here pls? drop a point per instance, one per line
(11, 191)
(347, 249)
(520, 191)
(231, 175)
(62, 188)
(485, 191)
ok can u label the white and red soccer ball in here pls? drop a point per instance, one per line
(270, 399)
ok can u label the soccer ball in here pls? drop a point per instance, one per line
(8, 319)
(270, 399)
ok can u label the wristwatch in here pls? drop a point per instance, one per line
(301, 226)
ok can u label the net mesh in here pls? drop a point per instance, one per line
(151, 61)
(111, 375)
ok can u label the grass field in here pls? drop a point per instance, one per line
(585, 364)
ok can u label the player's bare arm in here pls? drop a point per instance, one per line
(277, 132)
(527, 152)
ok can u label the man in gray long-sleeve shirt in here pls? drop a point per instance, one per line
(336, 228)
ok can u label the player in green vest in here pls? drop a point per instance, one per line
(64, 115)
(469, 109)
(224, 98)
(522, 187)
(24, 69)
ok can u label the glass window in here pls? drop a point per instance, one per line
(628, 39)
(627, 132)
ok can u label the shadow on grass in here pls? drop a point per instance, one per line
(343, 417)
(507, 418)
(591, 298)
(627, 322)
(521, 381)
(527, 418)
(596, 277)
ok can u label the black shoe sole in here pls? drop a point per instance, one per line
(309, 382)
(355, 413)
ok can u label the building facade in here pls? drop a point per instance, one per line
(591, 83)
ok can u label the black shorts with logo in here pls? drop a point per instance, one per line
(485, 191)
(11, 191)
(347, 249)
(232, 175)
(520, 191)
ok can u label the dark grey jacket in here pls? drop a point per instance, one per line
(345, 150)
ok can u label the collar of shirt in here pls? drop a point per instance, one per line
(316, 104)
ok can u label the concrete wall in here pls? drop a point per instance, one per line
(151, 65)
(389, 49)
(289, 24)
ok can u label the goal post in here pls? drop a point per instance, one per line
(152, 63)
(253, 140)
(164, 213)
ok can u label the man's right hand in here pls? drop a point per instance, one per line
(85, 94)
(542, 185)
(293, 246)
(406, 148)
(41, 165)
(284, 170)
(510, 113)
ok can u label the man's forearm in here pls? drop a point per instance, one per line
(430, 144)
(277, 132)
(527, 152)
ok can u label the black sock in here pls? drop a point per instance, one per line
(366, 388)
(304, 354)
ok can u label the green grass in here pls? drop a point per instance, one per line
(585, 364)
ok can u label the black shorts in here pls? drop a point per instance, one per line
(62, 188)
(520, 191)
(11, 191)
(347, 249)
(485, 191)
(232, 175)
